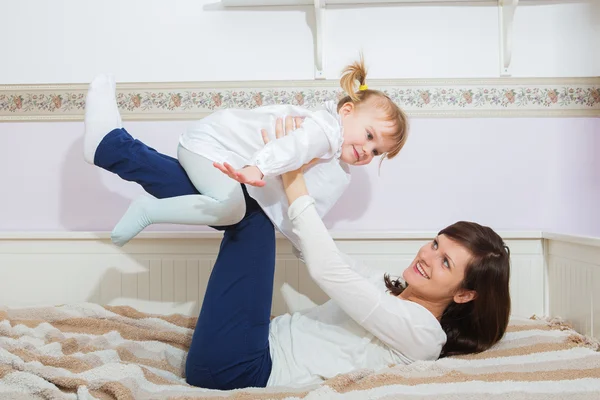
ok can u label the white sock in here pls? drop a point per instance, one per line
(101, 114)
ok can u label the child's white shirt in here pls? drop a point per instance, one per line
(234, 136)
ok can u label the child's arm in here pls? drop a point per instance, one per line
(284, 154)
(293, 150)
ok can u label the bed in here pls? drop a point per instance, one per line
(89, 351)
(81, 319)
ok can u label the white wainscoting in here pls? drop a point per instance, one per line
(573, 265)
(168, 272)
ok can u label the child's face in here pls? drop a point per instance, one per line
(366, 133)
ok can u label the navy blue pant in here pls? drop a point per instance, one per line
(230, 346)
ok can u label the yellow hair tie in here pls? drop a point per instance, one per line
(362, 88)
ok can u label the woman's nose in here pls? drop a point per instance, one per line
(427, 254)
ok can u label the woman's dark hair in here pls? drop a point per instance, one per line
(475, 326)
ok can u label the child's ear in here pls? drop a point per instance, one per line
(347, 109)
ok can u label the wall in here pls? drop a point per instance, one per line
(511, 173)
(573, 181)
(193, 40)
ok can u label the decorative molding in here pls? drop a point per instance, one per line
(495, 97)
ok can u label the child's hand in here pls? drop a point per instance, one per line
(248, 175)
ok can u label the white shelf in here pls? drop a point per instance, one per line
(506, 13)
(267, 3)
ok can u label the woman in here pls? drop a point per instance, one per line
(455, 300)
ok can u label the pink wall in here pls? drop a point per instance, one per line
(512, 174)
(573, 184)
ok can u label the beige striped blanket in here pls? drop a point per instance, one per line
(87, 351)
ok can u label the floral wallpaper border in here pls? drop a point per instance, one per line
(561, 97)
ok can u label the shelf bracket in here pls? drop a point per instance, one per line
(506, 13)
(319, 31)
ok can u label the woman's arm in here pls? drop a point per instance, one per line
(401, 324)
(322, 257)
(294, 185)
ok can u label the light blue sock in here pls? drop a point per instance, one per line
(186, 210)
(222, 204)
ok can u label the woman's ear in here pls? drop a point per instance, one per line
(465, 296)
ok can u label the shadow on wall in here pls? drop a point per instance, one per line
(84, 201)
(83, 193)
(114, 289)
(355, 201)
(109, 291)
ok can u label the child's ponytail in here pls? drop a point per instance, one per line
(355, 72)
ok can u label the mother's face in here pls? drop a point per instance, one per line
(438, 270)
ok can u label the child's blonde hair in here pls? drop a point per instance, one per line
(356, 72)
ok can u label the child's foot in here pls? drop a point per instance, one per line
(132, 223)
(101, 114)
